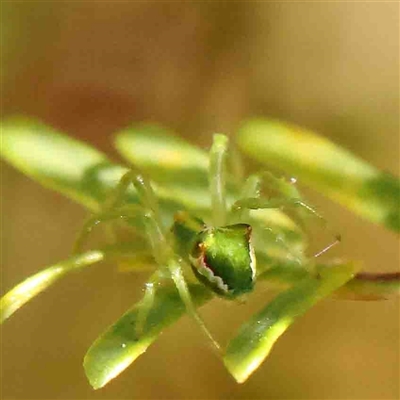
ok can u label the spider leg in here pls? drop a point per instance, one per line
(290, 197)
(166, 258)
(337, 240)
(255, 203)
(148, 300)
(180, 282)
(251, 189)
(128, 211)
(288, 190)
(235, 165)
(164, 254)
(287, 196)
(113, 208)
(250, 198)
(217, 179)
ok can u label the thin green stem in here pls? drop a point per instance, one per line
(364, 285)
(371, 286)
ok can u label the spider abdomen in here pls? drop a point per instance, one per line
(223, 259)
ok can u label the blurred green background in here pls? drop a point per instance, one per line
(89, 69)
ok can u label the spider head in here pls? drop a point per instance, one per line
(223, 259)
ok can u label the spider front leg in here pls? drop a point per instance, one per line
(217, 179)
(288, 195)
(255, 203)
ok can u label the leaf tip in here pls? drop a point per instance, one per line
(239, 374)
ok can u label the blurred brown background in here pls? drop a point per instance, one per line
(89, 68)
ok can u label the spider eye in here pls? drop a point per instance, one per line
(223, 259)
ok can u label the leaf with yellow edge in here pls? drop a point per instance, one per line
(164, 156)
(35, 284)
(120, 345)
(253, 343)
(326, 167)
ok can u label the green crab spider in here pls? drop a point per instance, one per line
(220, 254)
(200, 224)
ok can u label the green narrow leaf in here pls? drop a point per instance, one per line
(32, 286)
(55, 160)
(119, 346)
(67, 165)
(328, 168)
(251, 346)
(164, 156)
